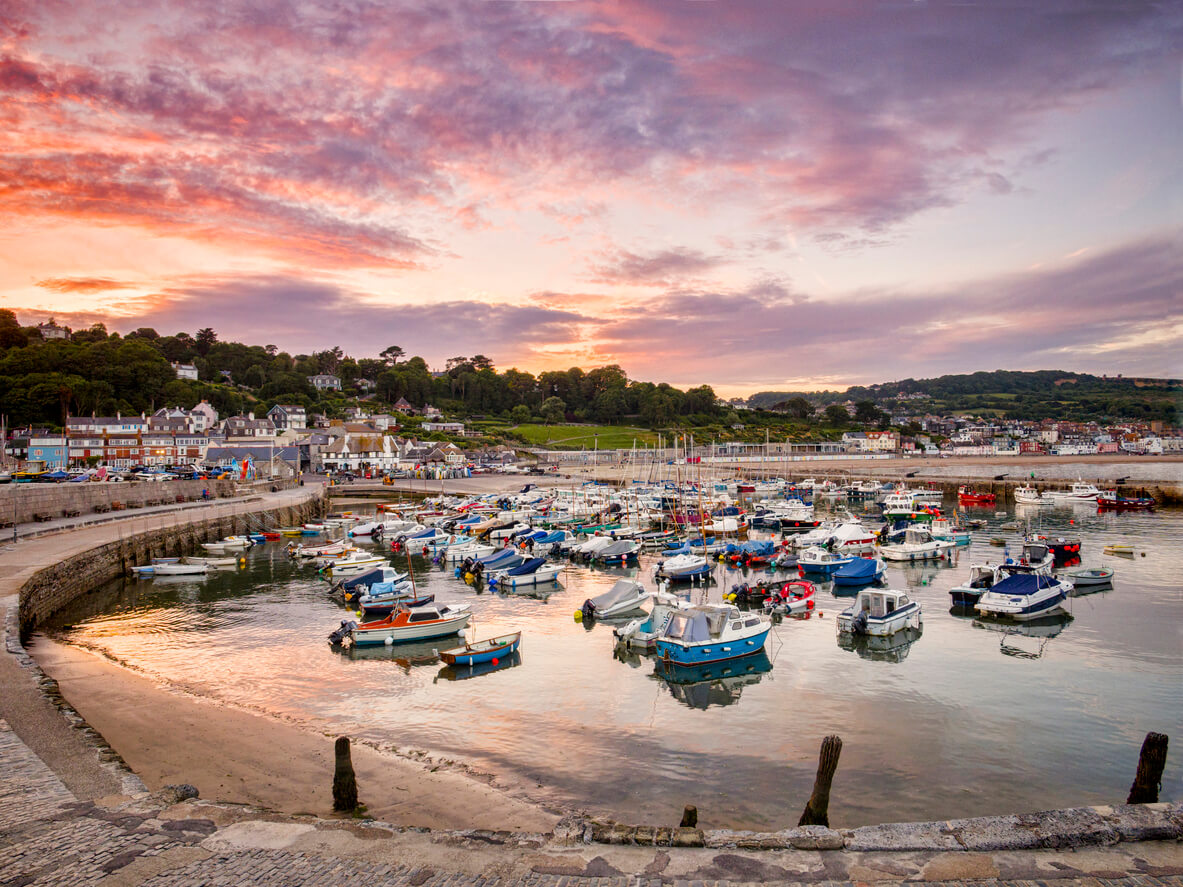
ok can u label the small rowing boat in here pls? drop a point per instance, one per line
(489, 650)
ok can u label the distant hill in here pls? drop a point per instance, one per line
(1011, 394)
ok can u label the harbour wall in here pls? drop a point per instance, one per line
(80, 573)
(26, 503)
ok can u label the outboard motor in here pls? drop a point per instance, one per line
(588, 610)
(337, 637)
(858, 624)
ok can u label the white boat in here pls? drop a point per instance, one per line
(320, 549)
(544, 574)
(179, 569)
(880, 612)
(1078, 492)
(474, 550)
(682, 566)
(850, 537)
(1024, 596)
(1028, 495)
(1086, 577)
(918, 545)
(1036, 558)
(358, 563)
(624, 597)
(213, 561)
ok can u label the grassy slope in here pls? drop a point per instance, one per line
(577, 437)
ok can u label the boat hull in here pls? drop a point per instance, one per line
(484, 651)
(364, 637)
(711, 651)
(883, 626)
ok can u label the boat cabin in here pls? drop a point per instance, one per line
(699, 624)
(880, 604)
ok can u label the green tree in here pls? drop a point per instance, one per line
(11, 334)
(836, 415)
(520, 414)
(866, 412)
(554, 410)
(798, 408)
(391, 355)
(205, 340)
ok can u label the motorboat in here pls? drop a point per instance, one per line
(945, 530)
(795, 596)
(712, 633)
(619, 552)
(1110, 501)
(180, 569)
(918, 545)
(1063, 549)
(404, 596)
(860, 571)
(822, 561)
(880, 612)
(360, 584)
(683, 567)
(534, 571)
(624, 597)
(642, 633)
(1024, 596)
(1078, 492)
(421, 623)
(478, 652)
(1036, 558)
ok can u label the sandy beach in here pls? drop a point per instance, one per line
(168, 737)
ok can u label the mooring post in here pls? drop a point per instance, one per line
(689, 817)
(1151, 762)
(344, 780)
(817, 810)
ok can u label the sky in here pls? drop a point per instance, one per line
(753, 195)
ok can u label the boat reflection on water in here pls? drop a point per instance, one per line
(713, 683)
(404, 655)
(1026, 640)
(464, 672)
(881, 648)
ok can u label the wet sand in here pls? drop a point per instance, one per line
(168, 737)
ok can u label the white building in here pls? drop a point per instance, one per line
(325, 382)
(288, 417)
(185, 371)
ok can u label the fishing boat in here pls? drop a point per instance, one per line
(683, 568)
(969, 496)
(1062, 548)
(1024, 596)
(712, 633)
(1078, 492)
(880, 612)
(1089, 576)
(624, 597)
(1110, 501)
(488, 650)
(431, 621)
(860, 571)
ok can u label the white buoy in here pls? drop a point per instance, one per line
(389, 641)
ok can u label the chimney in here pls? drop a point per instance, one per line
(251, 416)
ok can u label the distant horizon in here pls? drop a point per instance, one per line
(793, 196)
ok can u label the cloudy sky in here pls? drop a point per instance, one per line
(754, 195)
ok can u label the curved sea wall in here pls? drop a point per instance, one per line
(77, 574)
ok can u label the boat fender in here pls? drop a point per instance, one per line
(578, 615)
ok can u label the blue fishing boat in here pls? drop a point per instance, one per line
(490, 650)
(712, 633)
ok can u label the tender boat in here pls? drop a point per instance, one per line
(880, 613)
(179, 569)
(1024, 596)
(488, 650)
(1121, 550)
(795, 596)
(1087, 577)
(354, 564)
(860, 571)
(683, 567)
(712, 633)
(431, 621)
(624, 597)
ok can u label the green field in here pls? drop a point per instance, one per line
(579, 437)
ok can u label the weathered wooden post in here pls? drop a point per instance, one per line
(1151, 762)
(689, 817)
(344, 780)
(817, 810)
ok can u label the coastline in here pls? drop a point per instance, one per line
(234, 756)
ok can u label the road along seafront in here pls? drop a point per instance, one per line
(138, 837)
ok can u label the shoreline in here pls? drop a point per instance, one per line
(166, 736)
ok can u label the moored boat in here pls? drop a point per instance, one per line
(1089, 576)
(488, 650)
(1110, 501)
(1024, 596)
(712, 633)
(431, 621)
(880, 612)
(968, 496)
(624, 597)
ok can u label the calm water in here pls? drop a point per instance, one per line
(965, 720)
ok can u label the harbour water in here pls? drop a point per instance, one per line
(969, 718)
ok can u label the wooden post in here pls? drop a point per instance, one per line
(1151, 762)
(689, 817)
(817, 810)
(344, 780)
